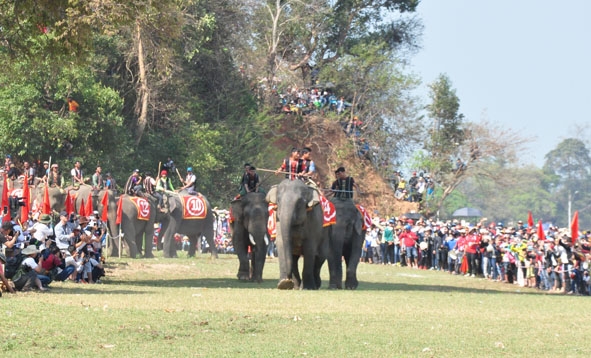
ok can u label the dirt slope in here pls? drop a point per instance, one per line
(331, 148)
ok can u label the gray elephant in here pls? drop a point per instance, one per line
(138, 233)
(57, 197)
(346, 240)
(177, 221)
(82, 193)
(249, 229)
(300, 232)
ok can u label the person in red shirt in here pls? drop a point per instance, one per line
(291, 166)
(409, 240)
(471, 248)
(72, 105)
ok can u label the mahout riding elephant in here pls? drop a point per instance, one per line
(300, 232)
(179, 219)
(346, 240)
(250, 216)
(137, 223)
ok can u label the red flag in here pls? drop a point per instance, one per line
(5, 211)
(82, 209)
(541, 235)
(574, 227)
(105, 203)
(89, 209)
(530, 219)
(46, 209)
(26, 200)
(119, 210)
(69, 204)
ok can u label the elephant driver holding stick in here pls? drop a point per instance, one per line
(163, 186)
(342, 188)
(189, 182)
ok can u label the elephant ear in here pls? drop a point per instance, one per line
(237, 209)
(313, 197)
(358, 223)
(173, 200)
(272, 195)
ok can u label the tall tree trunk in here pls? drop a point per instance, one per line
(143, 91)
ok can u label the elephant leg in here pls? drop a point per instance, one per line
(148, 241)
(167, 238)
(113, 247)
(335, 266)
(295, 271)
(240, 239)
(285, 257)
(207, 231)
(318, 262)
(258, 262)
(193, 240)
(130, 239)
(351, 282)
(139, 240)
(308, 278)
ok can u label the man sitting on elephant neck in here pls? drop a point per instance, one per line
(342, 188)
(55, 177)
(291, 166)
(189, 182)
(250, 181)
(163, 185)
(134, 184)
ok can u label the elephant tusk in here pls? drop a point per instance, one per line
(266, 239)
(252, 240)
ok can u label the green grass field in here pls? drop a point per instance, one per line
(197, 307)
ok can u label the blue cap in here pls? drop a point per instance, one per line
(408, 227)
(189, 169)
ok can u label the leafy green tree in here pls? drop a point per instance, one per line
(569, 168)
(457, 149)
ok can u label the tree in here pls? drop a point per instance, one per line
(472, 146)
(569, 169)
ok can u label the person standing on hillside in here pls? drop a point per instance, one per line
(73, 106)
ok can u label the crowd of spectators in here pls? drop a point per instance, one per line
(42, 250)
(416, 189)
(553, 262)
(306, 101)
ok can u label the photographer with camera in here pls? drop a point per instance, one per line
(30, 273)
(7, 237)
(55, 265)
(41, 230)
(2, 277)
(63, 232)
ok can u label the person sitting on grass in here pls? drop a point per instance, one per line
(27, 275)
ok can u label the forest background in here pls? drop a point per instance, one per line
(202, 81)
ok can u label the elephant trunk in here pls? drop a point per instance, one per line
(284, 244)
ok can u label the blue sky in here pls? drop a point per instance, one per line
(524, 64)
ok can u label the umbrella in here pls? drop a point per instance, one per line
(414, 216)
(467, 212)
